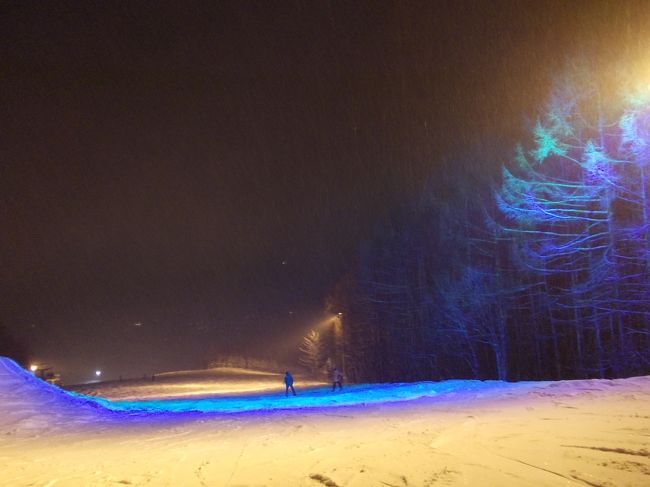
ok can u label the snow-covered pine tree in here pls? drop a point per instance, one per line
(312, 351)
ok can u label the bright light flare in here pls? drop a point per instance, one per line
(334, 319)
(33, 368)
(98, 373)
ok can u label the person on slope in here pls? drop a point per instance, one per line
(288, 381)
(337, 379)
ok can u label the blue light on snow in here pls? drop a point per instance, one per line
(12, 376)
(320, 397)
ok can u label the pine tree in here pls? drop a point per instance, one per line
(312, 351)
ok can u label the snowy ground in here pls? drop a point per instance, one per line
(187, 384)
(451, 433)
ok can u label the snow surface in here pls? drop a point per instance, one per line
(592, 432)
(208, 382)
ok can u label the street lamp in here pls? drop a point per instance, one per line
(339, 340)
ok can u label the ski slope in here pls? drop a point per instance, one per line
(592, 432)
(32, 394)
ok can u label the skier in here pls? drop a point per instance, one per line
(337, 379)
(288, 381)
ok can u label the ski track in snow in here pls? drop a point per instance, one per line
(592, 432)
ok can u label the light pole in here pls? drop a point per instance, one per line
(340, 342)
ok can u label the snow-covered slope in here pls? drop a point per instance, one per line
(38, 403)
(192, 383)
(591, 432)
(28, 403)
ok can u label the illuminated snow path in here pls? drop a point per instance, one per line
(321, 397)
(31, 395)
(585, 432)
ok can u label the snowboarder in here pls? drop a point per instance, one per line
(288, 381)
(337, 379)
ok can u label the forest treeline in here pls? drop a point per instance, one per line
(537, 269)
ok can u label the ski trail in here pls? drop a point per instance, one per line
(570, 479)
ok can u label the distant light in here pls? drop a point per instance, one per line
(340, 314)
(33, 368)
(137, 324)
(98, 373)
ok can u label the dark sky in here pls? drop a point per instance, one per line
(206, 168)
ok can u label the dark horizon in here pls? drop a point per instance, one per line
(209, 171)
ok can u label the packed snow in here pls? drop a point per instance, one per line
(208, 382)
(239, 431)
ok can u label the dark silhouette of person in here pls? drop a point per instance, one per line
(288, 381)
(337, 379)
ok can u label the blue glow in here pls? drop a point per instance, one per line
(37, 395)
(320, 397)
(576, 224)
(547, 143)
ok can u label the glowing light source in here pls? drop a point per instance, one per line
(98, 373)
(33, 368)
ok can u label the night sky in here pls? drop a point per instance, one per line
(207, 169)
